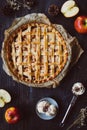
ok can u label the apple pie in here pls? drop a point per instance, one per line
(36, 53)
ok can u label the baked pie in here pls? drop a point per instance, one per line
(35, 52)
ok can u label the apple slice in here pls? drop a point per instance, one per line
(67, 6)
(69, 9)
(4, 97)
(1, 103)
(72, 12)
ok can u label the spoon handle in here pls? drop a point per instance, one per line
(68, 110)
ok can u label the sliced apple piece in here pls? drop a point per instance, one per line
(69, 9)
(72, 12)
(67, 6)
(4, 97)
(1, 103)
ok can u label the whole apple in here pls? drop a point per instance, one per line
(12, 115)
(80, 24)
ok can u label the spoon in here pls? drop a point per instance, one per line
(77, 89)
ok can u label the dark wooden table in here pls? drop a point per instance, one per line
(25, 98)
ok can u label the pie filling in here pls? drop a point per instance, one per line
(36, 53)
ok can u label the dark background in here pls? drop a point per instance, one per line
(25, 98)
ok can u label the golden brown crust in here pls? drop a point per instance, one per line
(36, 53)
(68, 42)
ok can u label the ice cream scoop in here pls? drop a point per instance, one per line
(77, 89)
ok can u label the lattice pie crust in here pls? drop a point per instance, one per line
(36, 52)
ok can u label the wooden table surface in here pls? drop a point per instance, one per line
(25, 98)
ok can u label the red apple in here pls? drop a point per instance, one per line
(12, 115)
(80, 24)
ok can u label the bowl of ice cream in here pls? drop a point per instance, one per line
(47, 108)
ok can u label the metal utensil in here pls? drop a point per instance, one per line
(77, 89)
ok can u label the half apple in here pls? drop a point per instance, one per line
(5, 97)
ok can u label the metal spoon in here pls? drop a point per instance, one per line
(77, 89)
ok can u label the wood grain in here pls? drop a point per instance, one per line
(25, 98)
